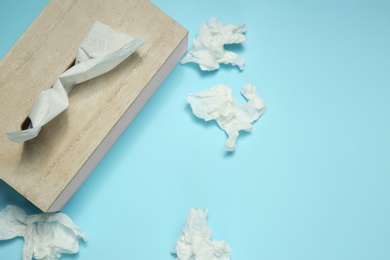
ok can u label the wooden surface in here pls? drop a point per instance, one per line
(41, 169)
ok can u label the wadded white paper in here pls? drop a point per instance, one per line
(218, 104)
(195, 241)
(46, 236)
(208, 49)
(101, 50)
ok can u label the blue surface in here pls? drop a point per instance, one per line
(310, 182)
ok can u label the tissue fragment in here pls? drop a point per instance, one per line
(194, 242)
(218, 104)
(102, 49)
(46, 236)
(208, 49)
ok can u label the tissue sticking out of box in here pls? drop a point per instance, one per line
(218, 104)
(195, 240)
(46, 235)
(208, 49)
(101, 50)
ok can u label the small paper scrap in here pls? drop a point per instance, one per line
(101, 50)
(218, 104)
(46, 235)
(194, 242)
(208, 49)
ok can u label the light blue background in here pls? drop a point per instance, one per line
(310, 182)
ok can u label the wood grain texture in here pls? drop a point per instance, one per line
(41, 169)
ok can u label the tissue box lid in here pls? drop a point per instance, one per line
(47, 170)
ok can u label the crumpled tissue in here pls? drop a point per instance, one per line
(46, 235)
(194, 242)
(208, 49)
(101, 50)
(218, 104)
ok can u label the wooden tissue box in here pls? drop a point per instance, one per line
(49, 169)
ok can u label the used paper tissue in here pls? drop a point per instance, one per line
(46, 235)
(101, 50)
(208, 49)
(195, 241)
(218, 104)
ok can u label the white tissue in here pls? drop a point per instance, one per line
(46, 236)
(194, 242)
(101, 50)
(208, 49)
(218, 104)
